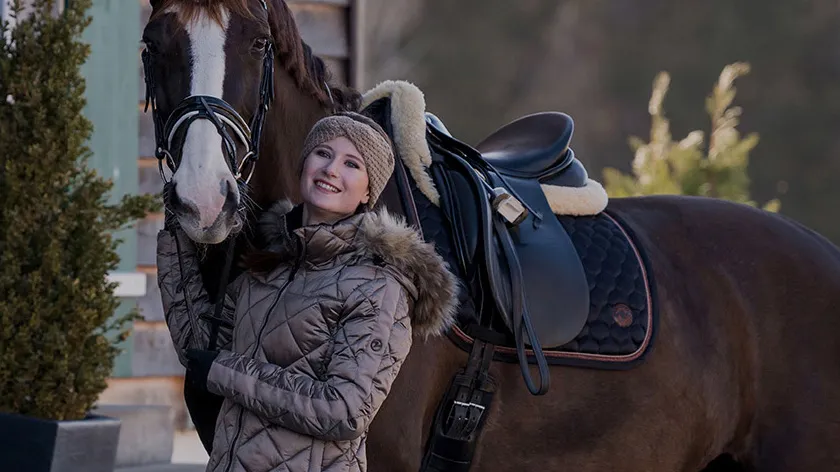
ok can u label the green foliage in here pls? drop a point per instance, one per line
(687, 167)
(58, 331)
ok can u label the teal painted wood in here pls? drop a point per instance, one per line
(112, 82)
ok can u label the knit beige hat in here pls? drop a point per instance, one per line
(368, 137)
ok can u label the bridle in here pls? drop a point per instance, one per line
(169, 143)
(169, 136)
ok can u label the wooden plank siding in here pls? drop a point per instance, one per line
(328, 26)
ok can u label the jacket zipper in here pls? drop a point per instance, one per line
(256, 346)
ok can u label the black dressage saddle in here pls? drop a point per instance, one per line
(516, 160)
(495, 227)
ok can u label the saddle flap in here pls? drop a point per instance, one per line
(555, 286)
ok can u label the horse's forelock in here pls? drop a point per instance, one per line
(189, 10)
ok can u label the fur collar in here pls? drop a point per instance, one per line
(387, 237)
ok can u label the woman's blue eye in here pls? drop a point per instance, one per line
(353, 164)
(323, 153)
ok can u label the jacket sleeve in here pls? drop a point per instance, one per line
(185, 302)
(370, 345)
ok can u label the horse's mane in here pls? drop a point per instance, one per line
(308, 70)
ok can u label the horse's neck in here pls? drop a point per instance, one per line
(289, 120)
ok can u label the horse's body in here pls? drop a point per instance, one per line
(745, 361)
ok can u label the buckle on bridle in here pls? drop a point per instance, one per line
(249, 157)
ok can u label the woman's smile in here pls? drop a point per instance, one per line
(326, 187)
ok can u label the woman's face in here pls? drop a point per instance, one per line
(334, 181)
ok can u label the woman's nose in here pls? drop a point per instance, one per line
(331, 169)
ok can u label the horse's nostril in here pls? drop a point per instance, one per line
(181, 207)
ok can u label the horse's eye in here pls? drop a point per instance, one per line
(151, 47)
(260, 44)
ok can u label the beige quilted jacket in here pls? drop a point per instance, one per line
(317, 342)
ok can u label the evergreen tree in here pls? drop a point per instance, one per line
(690, 166)
(58, 329)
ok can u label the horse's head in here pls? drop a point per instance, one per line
(213, 68)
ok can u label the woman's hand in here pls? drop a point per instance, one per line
(199, 362)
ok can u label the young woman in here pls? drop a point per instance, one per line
(323, 317)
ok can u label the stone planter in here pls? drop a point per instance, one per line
(38, 445)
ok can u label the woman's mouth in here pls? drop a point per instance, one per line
(326, 187)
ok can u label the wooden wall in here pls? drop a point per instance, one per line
(330, 27)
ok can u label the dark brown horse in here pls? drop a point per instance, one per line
(745, 363)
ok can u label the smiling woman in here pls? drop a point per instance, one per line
(323, 319)
(348, 160)
(334, 181)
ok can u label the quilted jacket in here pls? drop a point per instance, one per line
(316, 343)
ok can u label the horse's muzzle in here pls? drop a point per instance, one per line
(203, 227)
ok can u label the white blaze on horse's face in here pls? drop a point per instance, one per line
(204, 179)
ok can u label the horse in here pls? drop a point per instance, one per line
(733, 364)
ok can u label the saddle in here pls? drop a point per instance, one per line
(520, 267)
(504, 173)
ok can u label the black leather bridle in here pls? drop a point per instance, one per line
(169, 136)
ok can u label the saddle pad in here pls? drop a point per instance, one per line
(622, 318)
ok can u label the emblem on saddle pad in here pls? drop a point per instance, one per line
(623, 315)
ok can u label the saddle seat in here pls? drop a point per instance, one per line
(530, 146)
(533, 147)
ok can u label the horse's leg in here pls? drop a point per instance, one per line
(726, 463)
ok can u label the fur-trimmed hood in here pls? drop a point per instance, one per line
(385, 238)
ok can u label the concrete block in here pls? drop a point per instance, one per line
(168, 391)
(154, 354)
(146, 433)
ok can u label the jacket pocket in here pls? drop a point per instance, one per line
(316, 455)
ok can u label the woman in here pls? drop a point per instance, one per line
(324, 315)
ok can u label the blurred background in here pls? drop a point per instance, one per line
(482, 63)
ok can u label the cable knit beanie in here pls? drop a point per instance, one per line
(368, 137)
